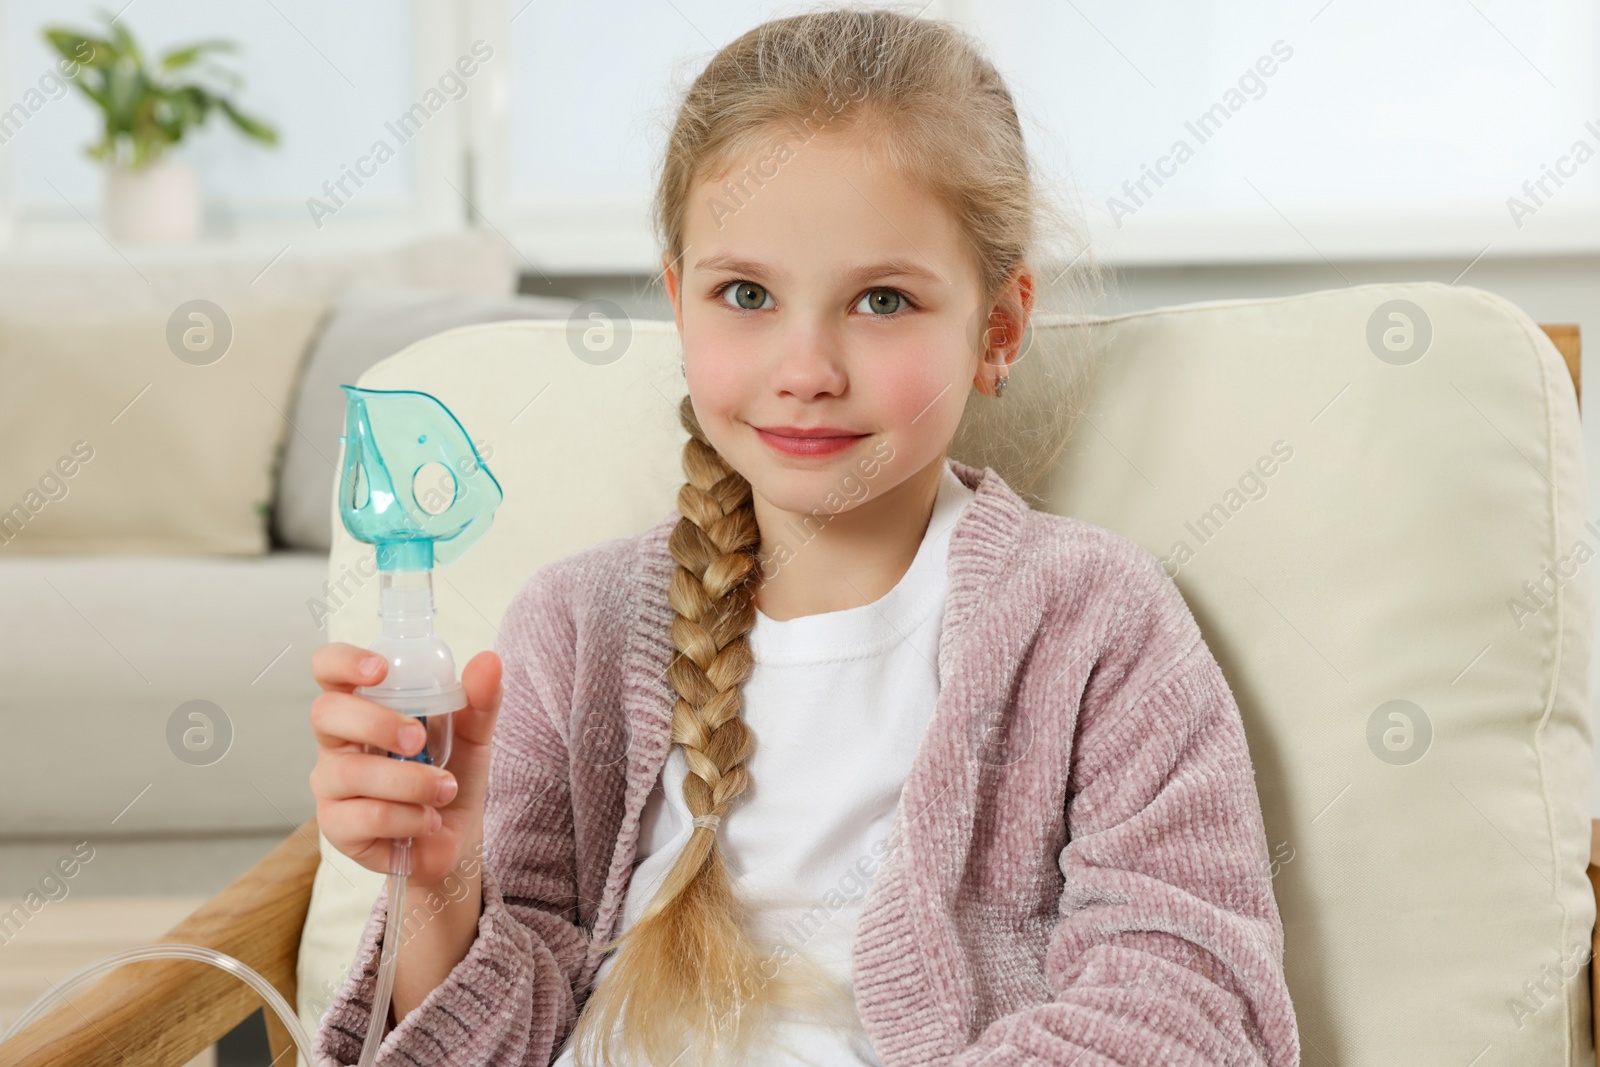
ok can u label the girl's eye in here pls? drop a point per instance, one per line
(747, 296)
(883, 302)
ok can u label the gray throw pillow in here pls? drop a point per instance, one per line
(368, 323)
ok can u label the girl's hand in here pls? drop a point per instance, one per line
(366, 799)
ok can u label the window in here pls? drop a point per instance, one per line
(1245, 130)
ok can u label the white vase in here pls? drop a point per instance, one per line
(157, 205)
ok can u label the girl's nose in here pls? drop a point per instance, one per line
(810, 362)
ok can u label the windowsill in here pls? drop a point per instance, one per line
(79, 241)
(605, 237)
(612, 239)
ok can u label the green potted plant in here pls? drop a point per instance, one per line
(150, 197)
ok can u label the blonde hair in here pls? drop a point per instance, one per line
(689, 983)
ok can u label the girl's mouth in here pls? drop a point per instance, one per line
(815, 443)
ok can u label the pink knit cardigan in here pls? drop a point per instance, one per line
(1077, 872)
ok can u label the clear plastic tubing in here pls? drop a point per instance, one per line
(268, 992)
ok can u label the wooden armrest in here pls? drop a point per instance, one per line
(166, 1012)
(1565, 336)
(1594, 935)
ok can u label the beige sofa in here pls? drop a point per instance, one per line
(1351, 488)
(156, 630)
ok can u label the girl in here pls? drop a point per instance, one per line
(855, 757)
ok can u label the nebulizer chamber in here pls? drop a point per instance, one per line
(399, 445)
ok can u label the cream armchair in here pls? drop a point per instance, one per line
(1373, 499)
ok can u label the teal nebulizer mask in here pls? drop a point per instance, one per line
(413, 486)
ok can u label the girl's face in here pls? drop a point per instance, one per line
(827, 293)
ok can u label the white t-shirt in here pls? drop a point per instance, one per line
(838, 703)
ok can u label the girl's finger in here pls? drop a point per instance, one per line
(341, 719)
(341, 665)
(362, 819)
(474, 724)
(345, 776)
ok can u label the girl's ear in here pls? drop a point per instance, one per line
(1013, 310)
(1000, 342)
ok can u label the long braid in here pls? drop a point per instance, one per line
(713, 595)
(689, 973)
